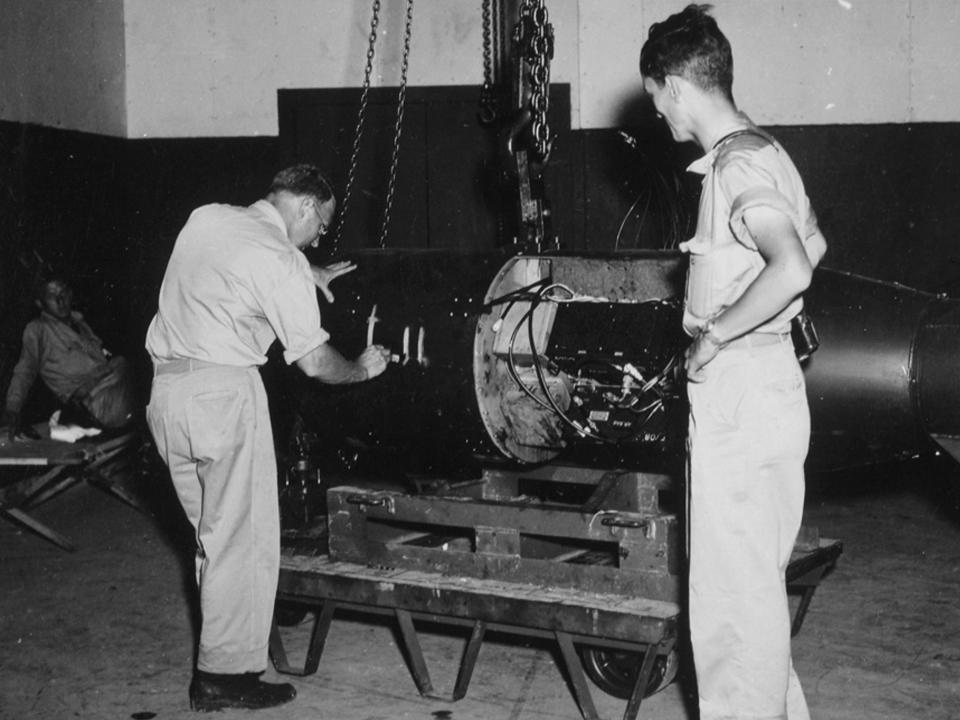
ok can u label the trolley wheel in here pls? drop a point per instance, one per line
(615, 671)
(289, 614)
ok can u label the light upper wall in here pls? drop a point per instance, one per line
(193, 68)
(847, 61)
(62, 64)
(796, 62)
(214, 67)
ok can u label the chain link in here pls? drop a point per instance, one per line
(488, 101)
(398, 128)
(361, 115)
(535, 37)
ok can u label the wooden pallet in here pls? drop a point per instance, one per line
(617, 541)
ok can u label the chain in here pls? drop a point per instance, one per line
(401, 102)
(488, 102)
(537, 32)
(361, 114)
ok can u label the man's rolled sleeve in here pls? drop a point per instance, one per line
(750, 187)
(760, 197)
(293, 313)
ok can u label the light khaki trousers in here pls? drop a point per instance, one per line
(749, 433)
(212, 428)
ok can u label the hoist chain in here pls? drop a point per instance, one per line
(361, 114)
(534, 37)
(488, 101)
(401, 102)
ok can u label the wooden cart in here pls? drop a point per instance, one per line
(599, 577)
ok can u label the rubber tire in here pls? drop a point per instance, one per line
(615, 671)
(289, 614)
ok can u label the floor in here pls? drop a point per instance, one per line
(107, 631)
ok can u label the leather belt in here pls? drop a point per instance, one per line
(757, 339)
(189, 365)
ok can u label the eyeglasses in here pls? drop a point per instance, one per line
(324, 228)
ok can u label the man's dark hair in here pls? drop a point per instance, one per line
(689, 44)
(40, 286)
(303, 179)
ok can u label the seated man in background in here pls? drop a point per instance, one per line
(95, 388)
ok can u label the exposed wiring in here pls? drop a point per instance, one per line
(511, 363)
(664, 191)
(535, 357)
(626, 216)
(521, 293)
(625, 394)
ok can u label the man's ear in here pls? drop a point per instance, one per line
(674, 86)
(305, 208)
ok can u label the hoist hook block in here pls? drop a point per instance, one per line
(487, 114)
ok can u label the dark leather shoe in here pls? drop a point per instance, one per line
(213, 691)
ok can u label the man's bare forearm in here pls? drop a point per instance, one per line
(326, 364)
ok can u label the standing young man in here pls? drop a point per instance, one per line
(755, 248)
(236, 281)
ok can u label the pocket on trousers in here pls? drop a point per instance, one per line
(784, 419)
(785, 392)
(215, 421)
(719, 401)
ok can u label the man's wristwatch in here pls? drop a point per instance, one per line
(707, 333)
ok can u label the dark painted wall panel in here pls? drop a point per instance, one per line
(106, 211)
(451, 175)
(59, 210)
(887, 196)
(163, 181)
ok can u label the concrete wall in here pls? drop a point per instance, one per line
(206, 67)
(796, 62)
(211, 68)
(847, 61)
(62, 64)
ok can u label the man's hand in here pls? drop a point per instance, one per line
(323, 276)
(11, 421)
(374, 360)
(701, 351)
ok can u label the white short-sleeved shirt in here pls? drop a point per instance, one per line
(750, 170)
(233, 285)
